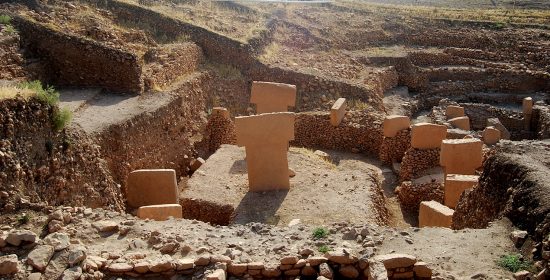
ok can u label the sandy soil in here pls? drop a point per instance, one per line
(348, 189)
(458, 254)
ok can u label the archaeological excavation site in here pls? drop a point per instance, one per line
(254, 139)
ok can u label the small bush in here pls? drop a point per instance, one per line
(319, 233)
(61, 118)
(46, 94)
(323, 248)
(24, 219)
(10, 30)
(5, 19)
(514, 263)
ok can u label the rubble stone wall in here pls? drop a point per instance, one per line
(39, 165)
(165, 64)
(541, 121)
(393, 148)
(479, 113)
(358, 132)
(176, 128)
(512, 185)
(411, 195)
(76, 61)
(416, 161)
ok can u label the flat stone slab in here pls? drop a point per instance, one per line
(320, 193)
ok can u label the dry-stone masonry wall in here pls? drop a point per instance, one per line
(415, 161)
(393, 148)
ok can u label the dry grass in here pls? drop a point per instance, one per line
(7, 92)
(270, 52)
(311, 154)
(499, 16)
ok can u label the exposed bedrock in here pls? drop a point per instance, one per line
(515, 183)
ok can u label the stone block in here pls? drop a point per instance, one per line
(455, 185)
(461, 122)
(196, 164)
(495, 122)
(151, 187)
(266, 138)
(394, 123)
(160, 212)
(426, 136)
(220, 111)
(491, 135)
(435, 214)
(394, 261)
(453, 111)
(272, 97)
(461, 156)
(338, 111)
(527, 106)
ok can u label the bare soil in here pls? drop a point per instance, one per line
(345, 189)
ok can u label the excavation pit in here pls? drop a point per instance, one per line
(347, 188)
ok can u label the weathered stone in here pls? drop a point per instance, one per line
(9, 264)
(105, 226)
(271, 272)
(142, 267)
(491, 135)
(120, 267)
(461, 123)
(184, 264)
(151, 187)
(16, 237)
(315, 261)
(35, 276)
(202, 260)
(40, 257)
(218, 274)
(522, 275)
(76, 255)
(164, 263)
(292, 272)
(461, 156)
(325, 271)
(455, 185)
(308, 270)
(289, 260)
(59, 241)
(453, 111)
(256, 265)
(435, 214)
(159, 212)
(338, 111)
(196, 164)
(427, 136)
(341, 256)
(237, 269)
(272, 97)
(349, 271)
(495, 122)
(72, 273)
(300, 264)
(519, 237)
(393, 124)
(421, 269)
(393, 261)
(377, 270)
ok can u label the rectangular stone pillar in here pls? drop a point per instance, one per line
(151, 186)
(338, 111)
(455, 185)
(160, 212)
(426, 136)
(461, 122)
(394, 123)
(461, 156)
(435, 214)
(527, 112)
(453, 111)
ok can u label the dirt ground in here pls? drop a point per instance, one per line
(345, 189)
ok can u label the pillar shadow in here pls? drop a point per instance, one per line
(260, 207)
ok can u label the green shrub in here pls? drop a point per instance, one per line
(10, 30)
(61, 118)
(24, 219)
(5, 19)
(45, 94)
(514, 263)
(319, 233)
(323, 248)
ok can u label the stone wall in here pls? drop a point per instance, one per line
(39, 165)
(415, 161)
(541, 121)
(393, 148)
(219, 130)
(358, 132)
(176, 128)
(410, 194)
(165, 64)
(514, 184)
(79, 61)
(479, 113)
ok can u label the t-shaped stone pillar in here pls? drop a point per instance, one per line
(272, 97)
(265, 138)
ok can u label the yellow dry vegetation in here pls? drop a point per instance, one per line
(7, 92)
